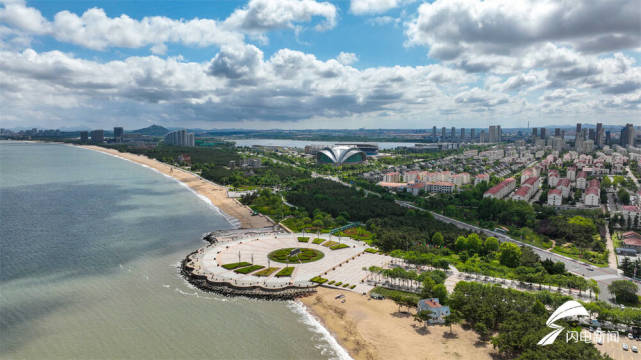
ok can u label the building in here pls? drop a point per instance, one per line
(495, 133)
(578, 130)
(627, 135)
(84, 136)
(453, 133)
(557, 132)
(97, 136)
(581, 180)
(600, 135)
(481, 178)
(180, 138)
(415, 188)
(632, 240)
(440, 187)
(434, 132)
(119, 134)
(529, 173)
(340, 155)
(571, 173)
(443, 132)
(368, 149)
(313, 149)
(438, 312)
(393, 177)
(564, 185)
(472, 133)
(501, 190)
(592, 197)
(555, 198)
(553, 178)
(543, 133)
(522, 193)
(412, 176)
(462, 133)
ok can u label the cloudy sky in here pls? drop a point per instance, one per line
(296, 64)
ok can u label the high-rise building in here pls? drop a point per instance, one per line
(462, 133)
(434, 132)
(627, 135)
(119, 133)
(608, 138)
(97, 136)
(180, 138)
(578, 129)
(591, 134)
(443, 132)
(472, 133)
(84, 136)
(535, 132)
(495, 133)
(453, 133)
(557, 132)
(543, 135)
(483, 137)
(599, 134)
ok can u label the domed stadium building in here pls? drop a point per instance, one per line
(340, 155)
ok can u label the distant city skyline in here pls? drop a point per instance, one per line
(298, 64)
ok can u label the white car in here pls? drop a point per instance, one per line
(599, 341)
(634, 349)
(625, 347)
(630, 336)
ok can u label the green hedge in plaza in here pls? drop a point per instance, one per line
(318, 280)
(339, 246)
(266, 272)
(305, 255)
(248, 269)
(236, 265)
(285, 272)
(303, 239)
(371, 250)
(318, 241)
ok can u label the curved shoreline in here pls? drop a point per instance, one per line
(238, 215)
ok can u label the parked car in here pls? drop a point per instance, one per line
(625, 347)
(630, 336)
(634, 349)
(599, 341)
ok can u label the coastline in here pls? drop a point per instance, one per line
(235, 212)
(374, 329)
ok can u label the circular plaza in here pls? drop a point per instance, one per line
(285, 265)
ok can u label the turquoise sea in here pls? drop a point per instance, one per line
(89, 247)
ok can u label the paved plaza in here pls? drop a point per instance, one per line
(342, 265)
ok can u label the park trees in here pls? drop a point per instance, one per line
(625, 291)
(510, 254)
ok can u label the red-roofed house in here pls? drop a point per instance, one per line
(555, 198)
(553, 178)
(392, 177)
(564, 185)
(440, 187)
(415, 188)
(522, 193)
(581, 179)
(501, 190)
(481, 178)
(592, 196)
(632, 240)
(571, 174)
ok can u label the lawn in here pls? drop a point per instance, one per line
(338, 246)
(391, 294)
(371, 250)
(248, 269)
(285, 272)
(303, 239)
(236, 265)
(318, 241)
(304, 256)
(266, 272)
(318, 280)
(592, 257)
(329, 243)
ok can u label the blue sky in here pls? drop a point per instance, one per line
(319, 64)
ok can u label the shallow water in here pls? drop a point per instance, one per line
(89, 247)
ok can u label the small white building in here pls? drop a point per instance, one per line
(555, 198)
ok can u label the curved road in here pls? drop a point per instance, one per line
(603, 276)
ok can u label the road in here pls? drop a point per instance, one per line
(603, 276)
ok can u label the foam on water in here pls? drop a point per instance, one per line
(314, 324)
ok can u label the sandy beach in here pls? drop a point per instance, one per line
(217, 194)
(374, 329)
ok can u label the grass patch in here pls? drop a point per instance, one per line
(331, 282)
(338, 283)
(345, 285)
(318, 241)
(303, 239)
(318, 280)
(266, 272)
(304, 256)
(352, 287)
(236, 265)
(588, 256)
(371, 250)
(338, 246)
(248, 269)
(329, 243)
(285, 272)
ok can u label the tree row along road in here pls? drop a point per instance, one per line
(603, 276)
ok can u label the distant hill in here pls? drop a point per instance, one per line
(153, 130)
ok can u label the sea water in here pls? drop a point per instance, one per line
(89, 249)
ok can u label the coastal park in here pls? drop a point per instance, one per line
(269, 262)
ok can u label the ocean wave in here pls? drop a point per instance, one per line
(314, 324)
